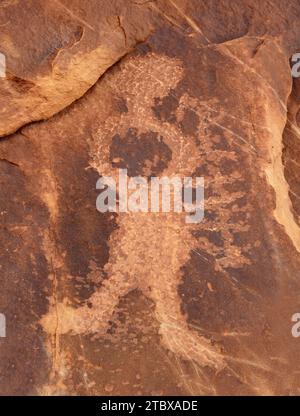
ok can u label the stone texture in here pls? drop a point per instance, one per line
(144, 303)
(56, 50)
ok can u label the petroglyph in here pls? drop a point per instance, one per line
(144, 303)
(148, 250)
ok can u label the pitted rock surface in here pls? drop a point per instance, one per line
(145, 303)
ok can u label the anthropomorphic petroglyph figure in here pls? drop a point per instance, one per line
(148, 250)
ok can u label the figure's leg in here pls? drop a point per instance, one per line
(175, 332)
(96, 313)
(92, 317)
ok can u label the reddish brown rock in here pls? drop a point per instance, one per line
(143, 303)
(56, 50)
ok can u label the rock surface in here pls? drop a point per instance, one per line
(57, 50)
(142, 303)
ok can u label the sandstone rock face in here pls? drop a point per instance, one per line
(144, 303)
(57, 50)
